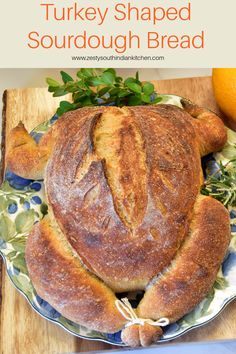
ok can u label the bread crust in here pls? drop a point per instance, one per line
(60, 278)
(126, 258)
(27, 158)
(141, 335)
(210, 129)
(123, 189)
(192, 273)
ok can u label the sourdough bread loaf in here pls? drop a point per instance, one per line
(125, 213)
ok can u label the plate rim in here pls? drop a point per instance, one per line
(108, 341)
(163, 340)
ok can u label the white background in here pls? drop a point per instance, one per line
(215, 17)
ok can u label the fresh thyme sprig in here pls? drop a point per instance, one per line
(94, 87)
(222, 184)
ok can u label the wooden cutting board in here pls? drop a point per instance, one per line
(21, 329)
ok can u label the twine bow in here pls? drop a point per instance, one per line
(125, 308)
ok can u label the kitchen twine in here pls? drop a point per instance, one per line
(125, 308)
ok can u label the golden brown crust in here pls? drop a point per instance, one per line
(130, 336)
(119, 143)
(123, 190)
(190, 277)
(125, 256)
(209, 127)
(24, 156)
(59, 277)
(149, 334)
(141, 335)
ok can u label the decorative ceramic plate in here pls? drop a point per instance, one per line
(22, 203)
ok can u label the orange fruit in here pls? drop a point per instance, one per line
(224, 86)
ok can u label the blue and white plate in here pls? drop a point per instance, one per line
(22, 203)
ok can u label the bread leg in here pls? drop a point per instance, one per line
(24, 156)
(141, 335)
(60, 278)
(192, 274)
(209, 127)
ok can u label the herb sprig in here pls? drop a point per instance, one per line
(94, 87)
(222, 184)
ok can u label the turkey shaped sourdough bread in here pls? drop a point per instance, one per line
(125, 213)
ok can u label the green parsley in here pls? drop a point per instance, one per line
(94, 87)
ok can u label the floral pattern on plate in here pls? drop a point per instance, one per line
(22, 203)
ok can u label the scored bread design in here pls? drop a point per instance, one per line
(125, 213)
